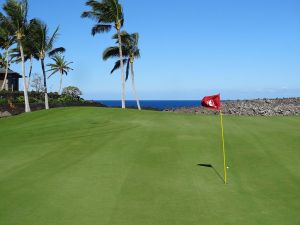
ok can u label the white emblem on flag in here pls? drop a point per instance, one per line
(211, 103)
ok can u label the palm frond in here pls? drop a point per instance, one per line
(38, 32)
(54, 71)
(129, 44)
(40, 43)
(118, 65)
(127, 69)
(124, 37)
(106, 13)
(100, 28)
(7, 37)
(137, 54)
(110, 52)
(52, 39)
(91, 15)
(16, 12)
(56, 51)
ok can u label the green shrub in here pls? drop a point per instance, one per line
(3, 101)
(33, 100)
(70, 96)
(20, 99)
(67, 99)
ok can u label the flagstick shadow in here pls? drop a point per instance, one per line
(214, 169)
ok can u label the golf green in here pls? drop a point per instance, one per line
(94, 166)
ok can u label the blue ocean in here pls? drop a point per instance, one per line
(155, 104)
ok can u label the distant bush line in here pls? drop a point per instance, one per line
(37, 97)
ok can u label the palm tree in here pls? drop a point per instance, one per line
(131, 52)
(44, 47)
(29, 55)
(6, 41)
(29, 48)
(108, 14)
(16, 17)
(60, 65)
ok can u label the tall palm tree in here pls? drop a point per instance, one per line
(6, 41)
(29, 48)
(131, 52)
(16, 16)
(108, 14)
(29, 55)
(59, 65)
(44, 47)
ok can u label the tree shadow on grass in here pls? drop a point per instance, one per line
(214, 169)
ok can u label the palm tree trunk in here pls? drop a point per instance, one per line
(29, 75)
(60, 86)
(122, 69)
(27, 106)
(133, 87)
(45, 85)
(6, 71)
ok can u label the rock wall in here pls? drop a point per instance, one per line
(258, 107)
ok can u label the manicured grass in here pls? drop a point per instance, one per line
(93, 166)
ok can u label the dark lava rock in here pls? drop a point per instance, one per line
(19, 108)
(258, 107)
(4, 114)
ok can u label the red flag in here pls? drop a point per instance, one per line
(212, 102)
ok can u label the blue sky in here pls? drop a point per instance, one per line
(241, 48)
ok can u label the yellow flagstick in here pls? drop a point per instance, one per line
(223, 147)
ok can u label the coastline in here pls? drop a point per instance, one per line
(257, 107)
